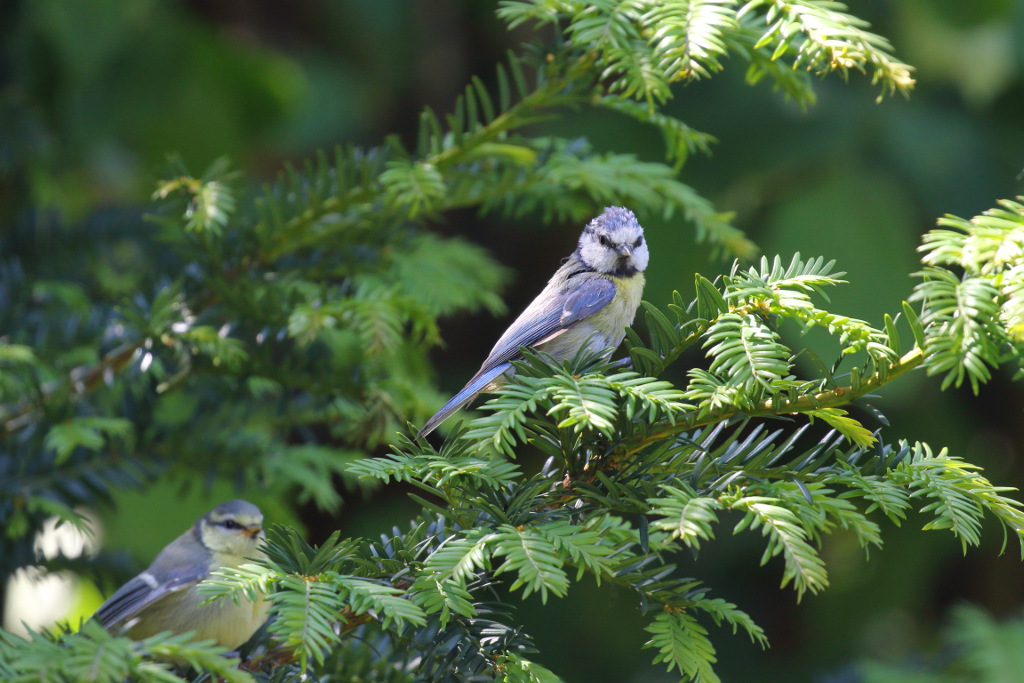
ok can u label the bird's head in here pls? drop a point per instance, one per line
(614, 244)
(232, 528)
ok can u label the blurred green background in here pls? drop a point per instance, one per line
(94, 96)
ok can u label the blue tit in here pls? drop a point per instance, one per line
(588, 302)
(165, 596)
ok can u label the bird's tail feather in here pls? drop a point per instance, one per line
(465, 395)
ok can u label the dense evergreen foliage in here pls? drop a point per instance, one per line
(281, 340)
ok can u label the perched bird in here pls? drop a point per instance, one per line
(589, 301)
(165, 597)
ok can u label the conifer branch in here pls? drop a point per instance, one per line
(833, 398)
(296, 331)
(79, 382)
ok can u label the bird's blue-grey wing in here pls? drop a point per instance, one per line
(556, 317)
(144, 590)
(590, 297)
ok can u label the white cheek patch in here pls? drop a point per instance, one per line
(589, 252)
(597, 256)
(640, 257)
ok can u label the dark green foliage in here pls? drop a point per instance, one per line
(282, 338)
(976, 649)
(92, 654)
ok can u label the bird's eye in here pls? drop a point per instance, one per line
(232, 524)
(639, 241)
(605, 242)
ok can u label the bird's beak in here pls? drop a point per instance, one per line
(624, 250)
(253, 532)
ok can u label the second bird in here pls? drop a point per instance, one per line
(589, 301)
(165, 597)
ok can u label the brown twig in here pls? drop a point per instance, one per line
(79, 381)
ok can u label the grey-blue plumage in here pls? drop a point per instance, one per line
(589, 301)
(164, 597)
